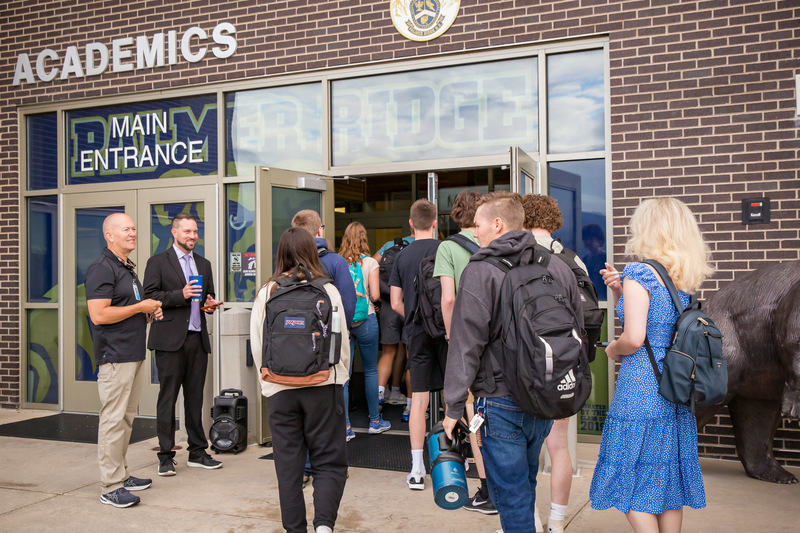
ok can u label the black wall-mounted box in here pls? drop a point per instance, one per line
(755, 211)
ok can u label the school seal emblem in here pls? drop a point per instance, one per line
(423, 20)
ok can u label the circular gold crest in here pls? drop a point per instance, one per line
(423, 20)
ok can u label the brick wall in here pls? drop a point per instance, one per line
(702, 102)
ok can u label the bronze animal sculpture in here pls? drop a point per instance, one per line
(759, 317)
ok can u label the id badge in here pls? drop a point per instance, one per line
(136, 291)
(475, 423)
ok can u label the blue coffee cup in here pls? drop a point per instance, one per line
(199, 283)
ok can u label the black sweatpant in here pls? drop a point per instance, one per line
(184, 368)
(310, 419)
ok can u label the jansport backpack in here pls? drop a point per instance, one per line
(541, 355)
(590, 304)
(301, 335)
(695, 372)
(362, 304)
(385, 266)
(429, 291)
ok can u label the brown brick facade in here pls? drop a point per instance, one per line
(702, 103)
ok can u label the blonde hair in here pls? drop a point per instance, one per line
(307, 219)
(354, 243)
(665, 229)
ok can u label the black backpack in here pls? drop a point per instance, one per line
(429, 291)
(590, 304)
(541, 355)
(302, 333)
(385, 266)
(695, 372)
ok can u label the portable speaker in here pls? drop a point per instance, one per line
(228, 432)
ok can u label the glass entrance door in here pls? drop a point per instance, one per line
(152, 211)
(156, 208)
(280, 194)
(83, 243)
(524, 172)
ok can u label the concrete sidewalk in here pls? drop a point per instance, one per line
(53, 486)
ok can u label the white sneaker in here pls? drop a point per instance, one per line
(396, 399)
(539, 526)
(416, 481)
(555, 526)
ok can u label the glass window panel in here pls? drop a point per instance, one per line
(42, 150)
(468, 110)
(592, 417)
(161, 216)
(285, 205)
(43, 249)
(280, 127)
(580, 188)
(143, 141)
(42, 360)
(89, 244)
(576, 101)
(240, 216)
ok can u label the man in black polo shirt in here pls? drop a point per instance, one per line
(119, 319)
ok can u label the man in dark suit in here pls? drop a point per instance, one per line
(181, 341)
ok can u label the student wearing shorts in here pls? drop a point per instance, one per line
(426, 356)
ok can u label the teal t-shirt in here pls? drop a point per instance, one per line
(452, 258)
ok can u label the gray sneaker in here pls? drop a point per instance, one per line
(134, 483)
(166, 467)
(120, 498)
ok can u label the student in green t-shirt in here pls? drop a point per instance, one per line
(451, 259)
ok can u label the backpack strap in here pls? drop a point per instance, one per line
(489, 383)
(464, 242)
(322, 252)
(673, 292)
(398, 241)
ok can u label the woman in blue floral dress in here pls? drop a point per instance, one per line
(648, 466)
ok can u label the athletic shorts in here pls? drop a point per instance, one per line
(427, 360)
(391, 325)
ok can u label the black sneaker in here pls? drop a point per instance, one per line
(120, 498)
(206, 461)
(134, 483)
(166, 467)
(481, 504)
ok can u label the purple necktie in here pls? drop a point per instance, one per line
(194, 321)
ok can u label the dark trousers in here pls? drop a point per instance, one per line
(309, 420)
(184, 368)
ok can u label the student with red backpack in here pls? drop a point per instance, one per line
(298, 326)
(364, 272)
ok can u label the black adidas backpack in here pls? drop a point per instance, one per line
(385, 267)
(695, 373)
(301, 340)
(590, 304)
(541, 355)
(429, 291)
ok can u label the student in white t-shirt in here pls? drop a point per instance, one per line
(364, 272)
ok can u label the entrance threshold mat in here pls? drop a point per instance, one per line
(72, 427)
(382, 452)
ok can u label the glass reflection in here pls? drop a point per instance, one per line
(279, 126)
(440, 113)
(42, 356)
(240, 216)
(576, 101)
(42, 150)
(579, 187)
(43, 249)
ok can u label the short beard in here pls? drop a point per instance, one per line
(185, 245)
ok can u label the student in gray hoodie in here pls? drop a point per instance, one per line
(511, 438)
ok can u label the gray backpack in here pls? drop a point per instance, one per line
(695, 372)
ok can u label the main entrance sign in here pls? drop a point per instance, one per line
(423, 20)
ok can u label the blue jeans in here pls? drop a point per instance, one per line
(511, 442)
(366, 334)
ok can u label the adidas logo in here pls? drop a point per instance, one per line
(567, 382)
